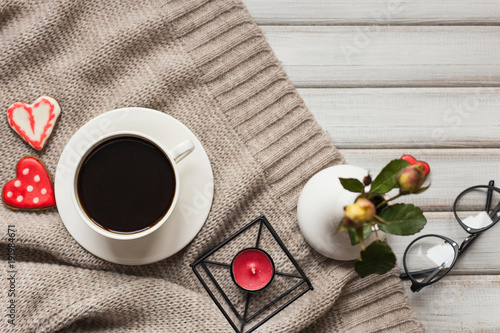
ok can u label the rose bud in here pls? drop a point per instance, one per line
(363, 210)
(411, 178)
(367, 180)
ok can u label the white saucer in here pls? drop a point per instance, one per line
(195, 193)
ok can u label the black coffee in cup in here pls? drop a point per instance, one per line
(126, 184)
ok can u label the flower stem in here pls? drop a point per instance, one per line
(390, 199)
(380, 220)
(362, 243)
(359, 232)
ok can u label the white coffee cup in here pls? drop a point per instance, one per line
(174, 155)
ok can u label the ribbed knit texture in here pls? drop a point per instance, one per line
(206, 63)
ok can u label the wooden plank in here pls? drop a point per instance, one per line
(481, 257)
(325, 12)
(382, 56)
(459, 304)
(408, 117)
(452, 171)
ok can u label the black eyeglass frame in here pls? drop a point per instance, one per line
(459, 250)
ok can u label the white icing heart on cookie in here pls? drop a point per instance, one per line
(34, 122)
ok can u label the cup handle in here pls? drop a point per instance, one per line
(182, 150)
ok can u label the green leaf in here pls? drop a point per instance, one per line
(404, 219)
(352, 184)
(375, 259)
(386, 179)
(367, 229)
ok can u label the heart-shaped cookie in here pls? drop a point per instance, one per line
(34, 122)
(412, 160)
(31, 189)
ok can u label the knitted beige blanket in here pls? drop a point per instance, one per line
(206, 63)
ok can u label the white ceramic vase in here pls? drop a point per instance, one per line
(321, 208)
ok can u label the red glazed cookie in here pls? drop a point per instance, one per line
(32, 188)
(34, 122)
(412, 160)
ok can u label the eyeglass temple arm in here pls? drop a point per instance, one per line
(495, 211)
(433, 272)
(489, 196)
(424, 271)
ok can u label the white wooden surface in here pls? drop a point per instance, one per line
(387, 77)
(364, 12)
(388, 56)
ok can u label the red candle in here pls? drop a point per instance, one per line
(252, 269)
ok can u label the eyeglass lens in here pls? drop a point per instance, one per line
(429, 258)
(475, 211)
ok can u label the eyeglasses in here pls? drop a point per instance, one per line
(430, 257)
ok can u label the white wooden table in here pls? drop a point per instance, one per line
(422, 77)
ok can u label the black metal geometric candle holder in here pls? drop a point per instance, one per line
(270, 301)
